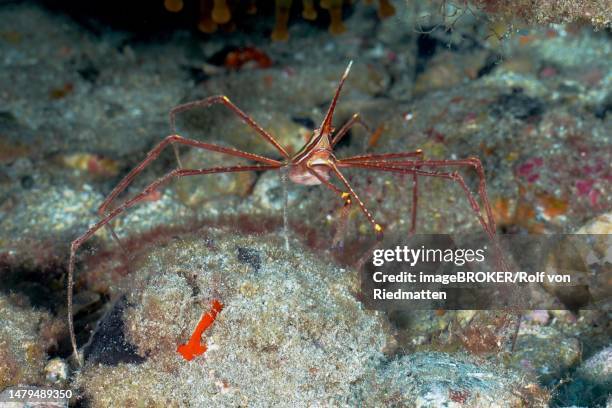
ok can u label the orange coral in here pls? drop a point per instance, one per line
(336, 26)
(173, 6)
(221, 13)
(247, 55)
(308, 10)
(280, 32)
(206, 24)
(552, 206)
(523, 212)
(334, 8)
(520, 212)
(385, 8)
(214, 13)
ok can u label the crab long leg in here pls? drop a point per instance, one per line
(471, 162)
(344, 212)
(415, 202)
(414, 164)
(354, 120)
(382, 157)
(398, 167)
(377, 227)
(224, 100)
(74, 246)
(326, 125)
(172, 140)
(387, 158)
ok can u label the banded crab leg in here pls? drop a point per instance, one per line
(174, 140)
(177, 173)
(354, 120)
(344, 212)
(154, 153)
(225, 101)
(413, 167)
(378, 229)
(382, 160)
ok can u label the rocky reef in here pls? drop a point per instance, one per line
(290, 331)
(203, 261)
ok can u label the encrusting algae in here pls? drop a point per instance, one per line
(215, 13)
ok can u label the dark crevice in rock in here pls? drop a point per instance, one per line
(250, 257)
(108, 345)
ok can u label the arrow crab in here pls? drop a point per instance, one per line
(314, 164)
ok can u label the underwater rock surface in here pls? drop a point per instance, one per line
(26, 335)
(598, 368)
(291, 332)
(534, 354)
(81, 104)
(445, 380)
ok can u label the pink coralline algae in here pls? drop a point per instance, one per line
(530, 169)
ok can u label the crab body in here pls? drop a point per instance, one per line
(313, 163)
